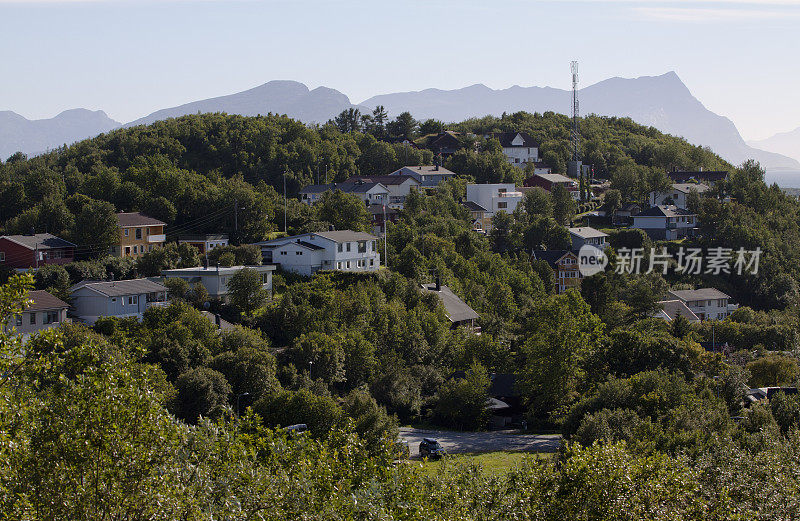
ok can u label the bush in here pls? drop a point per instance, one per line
(773, 370)
(461, 402)
(201, 392)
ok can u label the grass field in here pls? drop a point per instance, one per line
(491, 463)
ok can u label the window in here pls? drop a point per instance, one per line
(372, 262)
(18, 320)
(340, 247)
(138, 233)
(502, 205)
(265, 278)
(374, 245)
(135, 250)
(133, 299)
(298, 253)
(283, 253)
(51, 317)
(2, 256)
(126, 232)
(148, 231)
(338, 265)
(362, 246)
(348, 246)
(114, 299)
(33, 319)
(348, 265)
(516, 160)
(127, 250)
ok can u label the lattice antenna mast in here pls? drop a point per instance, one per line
(575, 112)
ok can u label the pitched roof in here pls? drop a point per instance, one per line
(688, 187)
(385, 180)
(127, 219)
(709, 175)
(203, 237)
(119, 288)
(506, 139)
(687, 295)
(349, 186)
(423, 169)
(586, 232)
(556, 178)
(664, 211)
(43, 300)
(42, 241)
(674, 308)
(552, 256)
(456, 309)
(473, 206)
(346, 236)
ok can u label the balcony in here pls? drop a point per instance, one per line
(157, 238)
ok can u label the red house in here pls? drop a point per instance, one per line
(33, 251)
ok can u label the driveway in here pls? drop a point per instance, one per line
(491, 441)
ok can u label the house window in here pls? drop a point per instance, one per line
(338, 265)
(340, 247)
(126, 232)
(283, 253)
(362, 246)
(133, 300)
(502, 205)
(127, 250)
(51, 317)
(148, 231)
(2, 256)
(298, 253)
(135, 250)
(265, 278)
(18, 320)
(33, 319)
(374, 245)
(348, 246)
(138, 233)
(348, 265)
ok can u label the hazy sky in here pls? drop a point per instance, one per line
(131, 57)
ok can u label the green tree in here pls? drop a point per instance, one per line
(461, 403)
(246, 291)
(201, 392)
(563, 204)
(343, 211)
(97, 227)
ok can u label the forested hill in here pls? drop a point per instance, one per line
(189, 169)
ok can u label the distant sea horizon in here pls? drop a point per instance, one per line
(784, 178)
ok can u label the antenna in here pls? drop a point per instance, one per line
(575, 111)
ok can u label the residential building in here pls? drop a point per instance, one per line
(706, 303)
(495, 197)
(215, 279)
(23, 252)
(429, 176)
(481, 218)
(378, 213)
(666, 222)
(45, 312)
(565, 268)
(204, 242)
(399, 186)
(587, 236)
(625, 215)
(444, 143)
(369, 192)
(459, 313)
(518, 147)
(677, 194)
(707, 176)
(671, 309)
(122, 298)
(138, 234)
(342, 250)
(549, 181)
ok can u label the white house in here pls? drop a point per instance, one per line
(369, 192)
(586, 235)
(671, 309)
(121, 298)
(215, 279)
(495, 197)
(429, 176)
(518, 147)
(45, 311)
(706, 303)
(677, 194)
(204, 242)
(666, 222)
(342, 250)
(399, 187)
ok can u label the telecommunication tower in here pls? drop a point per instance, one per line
(575, 112)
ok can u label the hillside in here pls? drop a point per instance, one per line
(786, 143)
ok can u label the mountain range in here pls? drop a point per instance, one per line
(660, 101)
(786, 143)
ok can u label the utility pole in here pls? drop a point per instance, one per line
(385, 234)
(236, 217)
(285, 201)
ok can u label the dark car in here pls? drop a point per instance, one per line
(430, 448)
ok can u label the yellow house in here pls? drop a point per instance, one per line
(138, 234)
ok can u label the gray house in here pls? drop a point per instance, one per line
(215, 279)
(121, 298)
(46, 311)
(459, 313)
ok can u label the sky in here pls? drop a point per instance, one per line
(132, 57)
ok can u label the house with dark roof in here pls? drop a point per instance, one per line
(399, 186)
(215, 279)
(565, 268)
(677, 194)
(342, 250)
(429, 176)
(368, 191)
(625, 214)
(518, 147)
(46, 311)
(138, 234)
(459, 313)
(204, 242)
(481, 217)
(381, 215)
(586, 235)
(705, 303)
(672, 309)
(666, 222)
(444, 143)
(22, 252)
(122, 298)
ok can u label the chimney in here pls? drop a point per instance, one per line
(438, 283)
(218, 267)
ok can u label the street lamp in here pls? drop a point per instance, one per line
(238, 399)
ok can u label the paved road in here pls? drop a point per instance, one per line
(455, 441)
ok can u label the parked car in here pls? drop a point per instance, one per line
(298, 428)
(430, 448)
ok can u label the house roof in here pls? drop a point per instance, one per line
(473, 206)
(223, 270)
(552, 256)
(629, 207)
(688, 187)
(555, 178)
(446, 139)
(357, 186)
(42, 241)
(346, 236)
(698, 294)
(43, 300)
(664, 211)
(423, 169)
(119, 288)
(674, 308)
(586, 232)
(709, 175)
(456, 309)
(127, 219)
(203, 237)
(385, 180)
(506, 139)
